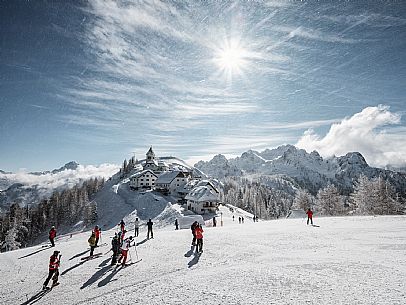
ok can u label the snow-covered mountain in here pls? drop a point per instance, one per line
(308, 170)
(30, 188)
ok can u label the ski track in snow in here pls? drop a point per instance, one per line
(347, 260)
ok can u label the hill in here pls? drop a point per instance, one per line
(347, 260)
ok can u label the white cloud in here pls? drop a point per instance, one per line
(67, 177)
(370, 132)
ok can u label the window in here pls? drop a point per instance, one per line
(146, 179)
(142, 179)
(141, 183)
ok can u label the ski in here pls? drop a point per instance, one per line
(91, 257)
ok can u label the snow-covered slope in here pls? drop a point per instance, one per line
(347, 260)
(309, 170)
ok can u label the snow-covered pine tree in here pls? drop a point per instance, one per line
(303, 200)
(329, 201)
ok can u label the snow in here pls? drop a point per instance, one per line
(347, 260)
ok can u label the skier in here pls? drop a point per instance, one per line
(115, 247)
(193, 228)
(199, 237)
(124, 250)
(121, 235)
(122, 225)
(176, 225)
(214, 221)
(92, 243)
(97, 233)
(242, 219)
(239, 220)
(52, 235)
(136, 227)
(149, 225)
(54, 262)
(233, 217)
(309, 216)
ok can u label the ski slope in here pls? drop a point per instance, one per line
(347, 260)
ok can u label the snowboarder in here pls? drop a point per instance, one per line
(214, 221)
(239, 220)
(92, 243)
(124, 250)
(122, 225)
(176, 225)
(115, 247)
(193, 228)
(149, 225)
(52, 235)
(309, 216)
(54, 262)
(199, 237)
(136, 227)
(97, 233)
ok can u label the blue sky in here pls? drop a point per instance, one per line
(97, 81)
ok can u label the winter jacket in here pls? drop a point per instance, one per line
(136, 224)
(53, 262)
(309, 214)
(92, 241)
(52, 233)
(149, 224)
(126, 244)
(115, 244)
(193, 228)
(97, 233)
(199, 232)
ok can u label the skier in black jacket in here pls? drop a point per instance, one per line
(149, 225)
(115, 247)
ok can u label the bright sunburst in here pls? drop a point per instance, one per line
(231, 59)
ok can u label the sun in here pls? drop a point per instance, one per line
(231, 59)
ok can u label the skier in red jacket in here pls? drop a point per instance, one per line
(97, 233)
(309, 216)
(54, 261)
(52, 235)
(199, 236)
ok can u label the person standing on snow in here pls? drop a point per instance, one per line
(97, 233)
(149, 225)
(54, 262)
(199, 236)
(176, 225)
(92, 243)
(115, 247)
(193, 228)
(242, 219)
(239, 220)
(52, 235)
(309, 216)
(136, 227)
(122, 225)
(214, 221)
(124, 250)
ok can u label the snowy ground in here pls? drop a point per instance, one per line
(348, 260)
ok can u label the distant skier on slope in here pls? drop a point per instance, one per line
(242, 219)
(193, 228)
(149, 225)
(199, 236)
(136, 227)
(97, 233)
(122, 225)
(52, 235)
(239, 220)
(176, 225)
(214, 221)
(54, 262)
(115, 247)
(92, 243)
(309, 216)
(124, 250)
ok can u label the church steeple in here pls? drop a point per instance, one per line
(150, 155)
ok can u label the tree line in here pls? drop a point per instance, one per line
(22, 225)
(375, 196)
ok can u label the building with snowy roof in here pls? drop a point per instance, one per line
(150, 162)
(202, 200)
(169, 182)
(143, 179)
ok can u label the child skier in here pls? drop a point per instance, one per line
(97, 233)
(92, 243)
(54, 262)
(136, 227)
(52, 235)
(199, 236)
(309, 216)
(124, 250)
